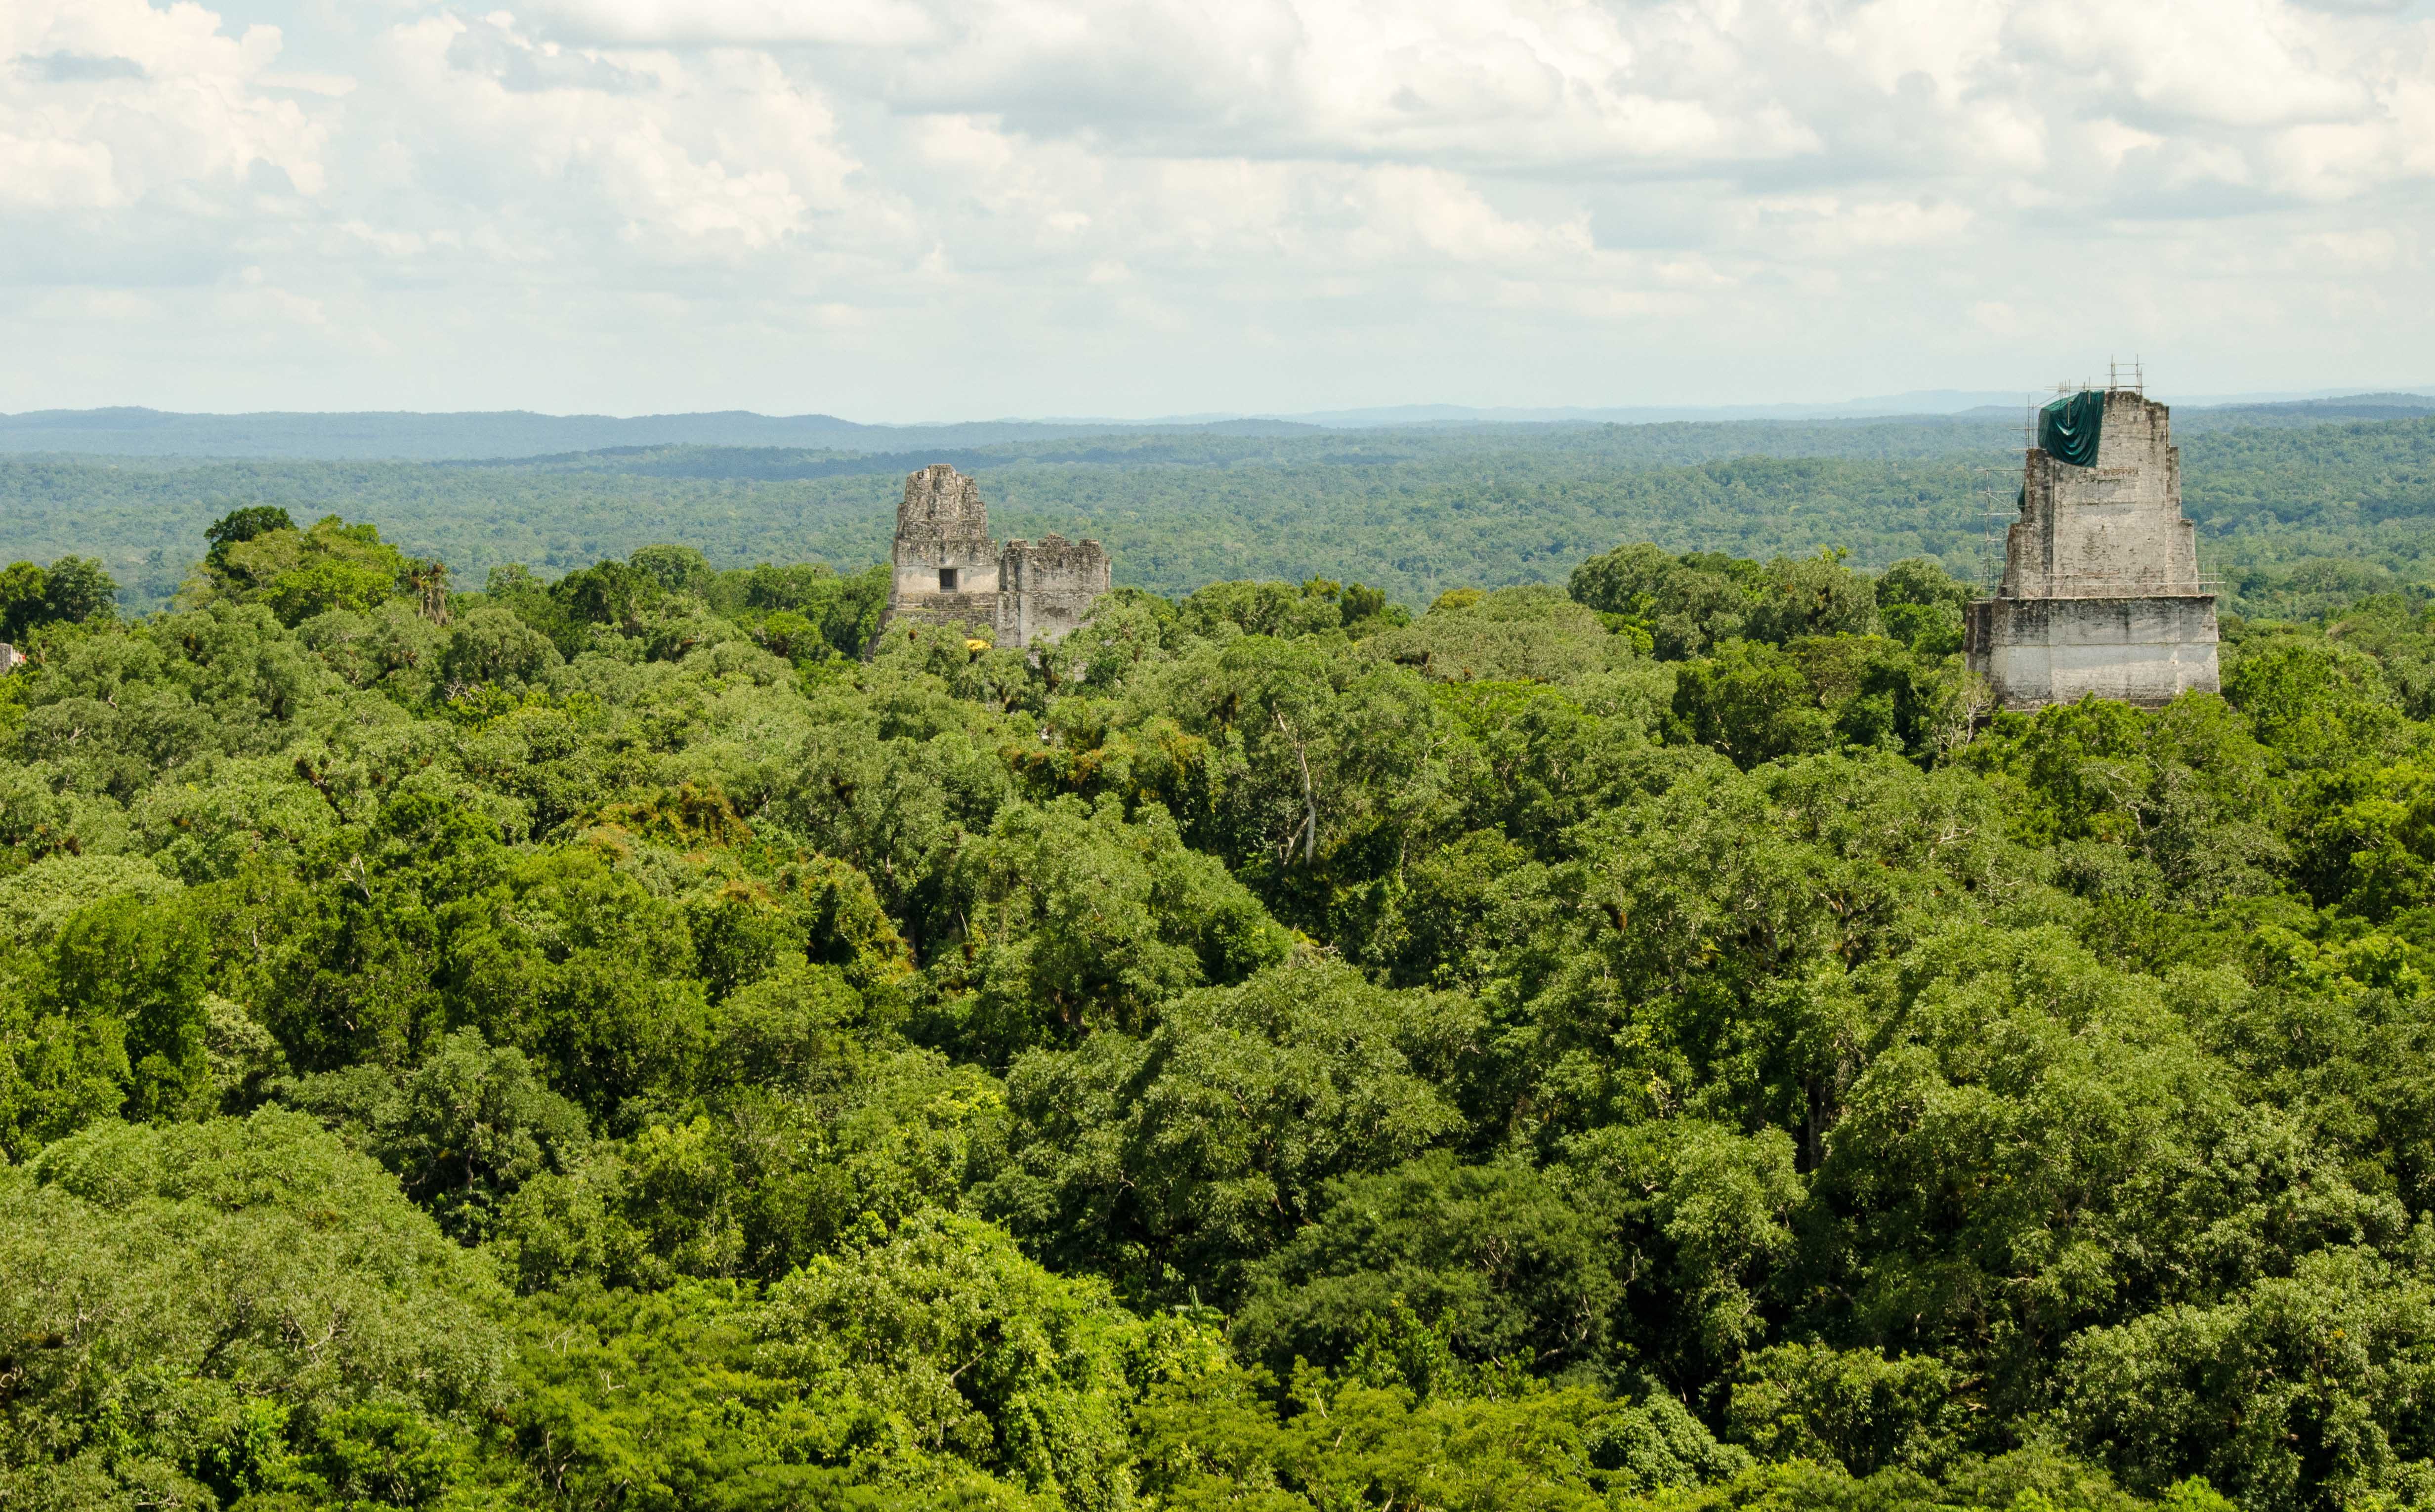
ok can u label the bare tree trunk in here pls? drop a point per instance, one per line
(1309, 793)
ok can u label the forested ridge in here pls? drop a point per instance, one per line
(647, 1038)
(408, 436)
(2299, 518)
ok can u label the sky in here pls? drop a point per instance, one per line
(906, 209)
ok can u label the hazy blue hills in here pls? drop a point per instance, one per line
(521, 435)
(2316, 411)
(410, 437)
(1674, 443)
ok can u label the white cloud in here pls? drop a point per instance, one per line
(748, 23)
(940, 207)
(107, 101)
(42, 173)
(675, 157)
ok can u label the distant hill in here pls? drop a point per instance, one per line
(521, 435)
(2315, 411)
(403, 435)
(1918, 402)
(1239, 444)
(2192, 418)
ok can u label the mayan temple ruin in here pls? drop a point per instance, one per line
(949, 571)
(2101, 591)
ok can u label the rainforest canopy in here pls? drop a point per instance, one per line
(2067, 429)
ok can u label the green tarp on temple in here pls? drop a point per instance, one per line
(2067, 429)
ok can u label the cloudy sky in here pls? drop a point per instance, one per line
(943, 209)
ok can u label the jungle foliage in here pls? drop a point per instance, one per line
(653, 1039)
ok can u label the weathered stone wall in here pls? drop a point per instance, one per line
(1046, 587)
(2116, 527)
(2101, 591)
(941, 524)
(2143, 650)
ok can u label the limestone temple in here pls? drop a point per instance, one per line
(2101, 591)
(949, 570)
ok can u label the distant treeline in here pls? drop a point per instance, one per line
(393, 434)
(1412, 511)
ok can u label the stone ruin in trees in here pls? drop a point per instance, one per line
(2101, 591)
(948, 570)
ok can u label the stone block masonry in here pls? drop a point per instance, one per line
(1046, 587)
(945, 560)
(2101, 593)
(948, 570)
